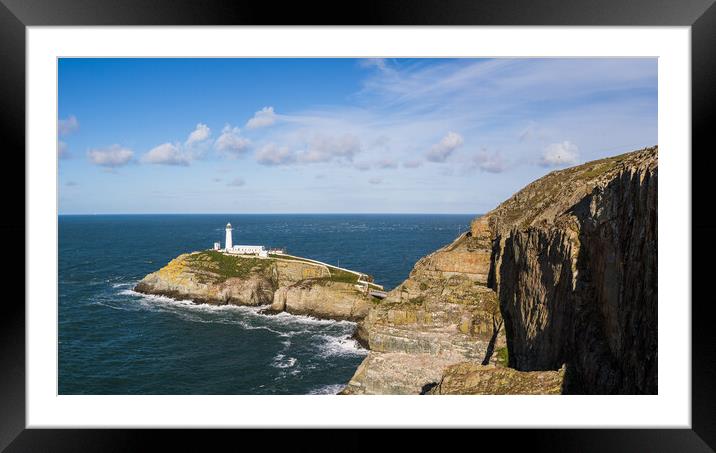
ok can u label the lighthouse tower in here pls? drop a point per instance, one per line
(229, 244)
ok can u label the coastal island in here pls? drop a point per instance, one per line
(252, 275)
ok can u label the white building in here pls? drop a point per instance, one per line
(247, 249)
(259, 250)
(229, 243)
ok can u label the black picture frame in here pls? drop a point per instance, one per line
(16, 15)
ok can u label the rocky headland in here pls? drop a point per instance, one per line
(553, 291)
(281, 282)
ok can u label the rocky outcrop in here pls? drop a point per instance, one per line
(568, 265)
(186, 277)
(323, 299)
(442, 314)
(397, 373)
(292, 285)
(471, 378)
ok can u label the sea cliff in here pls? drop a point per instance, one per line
(284, 283)
(553, 291)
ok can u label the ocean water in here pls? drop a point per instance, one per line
(115, 341)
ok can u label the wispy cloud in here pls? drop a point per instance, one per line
(236, 182)
(491, 162)
(560, 154)
(263, 118)
(386, 164)
(375, 180)
(412, 164)
(318, 149)
(378, 63)
(67, 126)
(326, 148)
(62, 151)
(272, 154)
(111, 157)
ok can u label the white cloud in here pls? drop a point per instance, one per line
(236, 182)
(231, 142)
(323, 148)
(264, 117)
(167, 154)
(439, 152)
(272, 154)
(113, 156)
(62, 151)
(362, 166)
(379, 63)
(67, 126)
(200, 134)
(560, 154)
(490, 162)
(386, 164)
(375, 181)
(412, 164)
(179, 154)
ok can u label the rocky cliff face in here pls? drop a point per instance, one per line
(575, 266)
(322, 299)
(568, 265)
(287, 284)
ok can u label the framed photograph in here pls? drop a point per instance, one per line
(443, 215)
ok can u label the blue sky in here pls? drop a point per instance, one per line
(337, 135)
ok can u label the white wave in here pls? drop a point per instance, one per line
(281, 361)
(330, 334)
(121, 285)
(330, 389)
(309, 320)
(101, 304)
(340, 346)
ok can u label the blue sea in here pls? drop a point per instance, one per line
(115, 341)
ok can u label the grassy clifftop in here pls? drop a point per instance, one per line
(225, 266)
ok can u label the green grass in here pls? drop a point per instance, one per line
(287, 257)
(338, 275)
(502, 356)
(226, 266)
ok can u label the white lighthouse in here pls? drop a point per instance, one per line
(229, 243)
